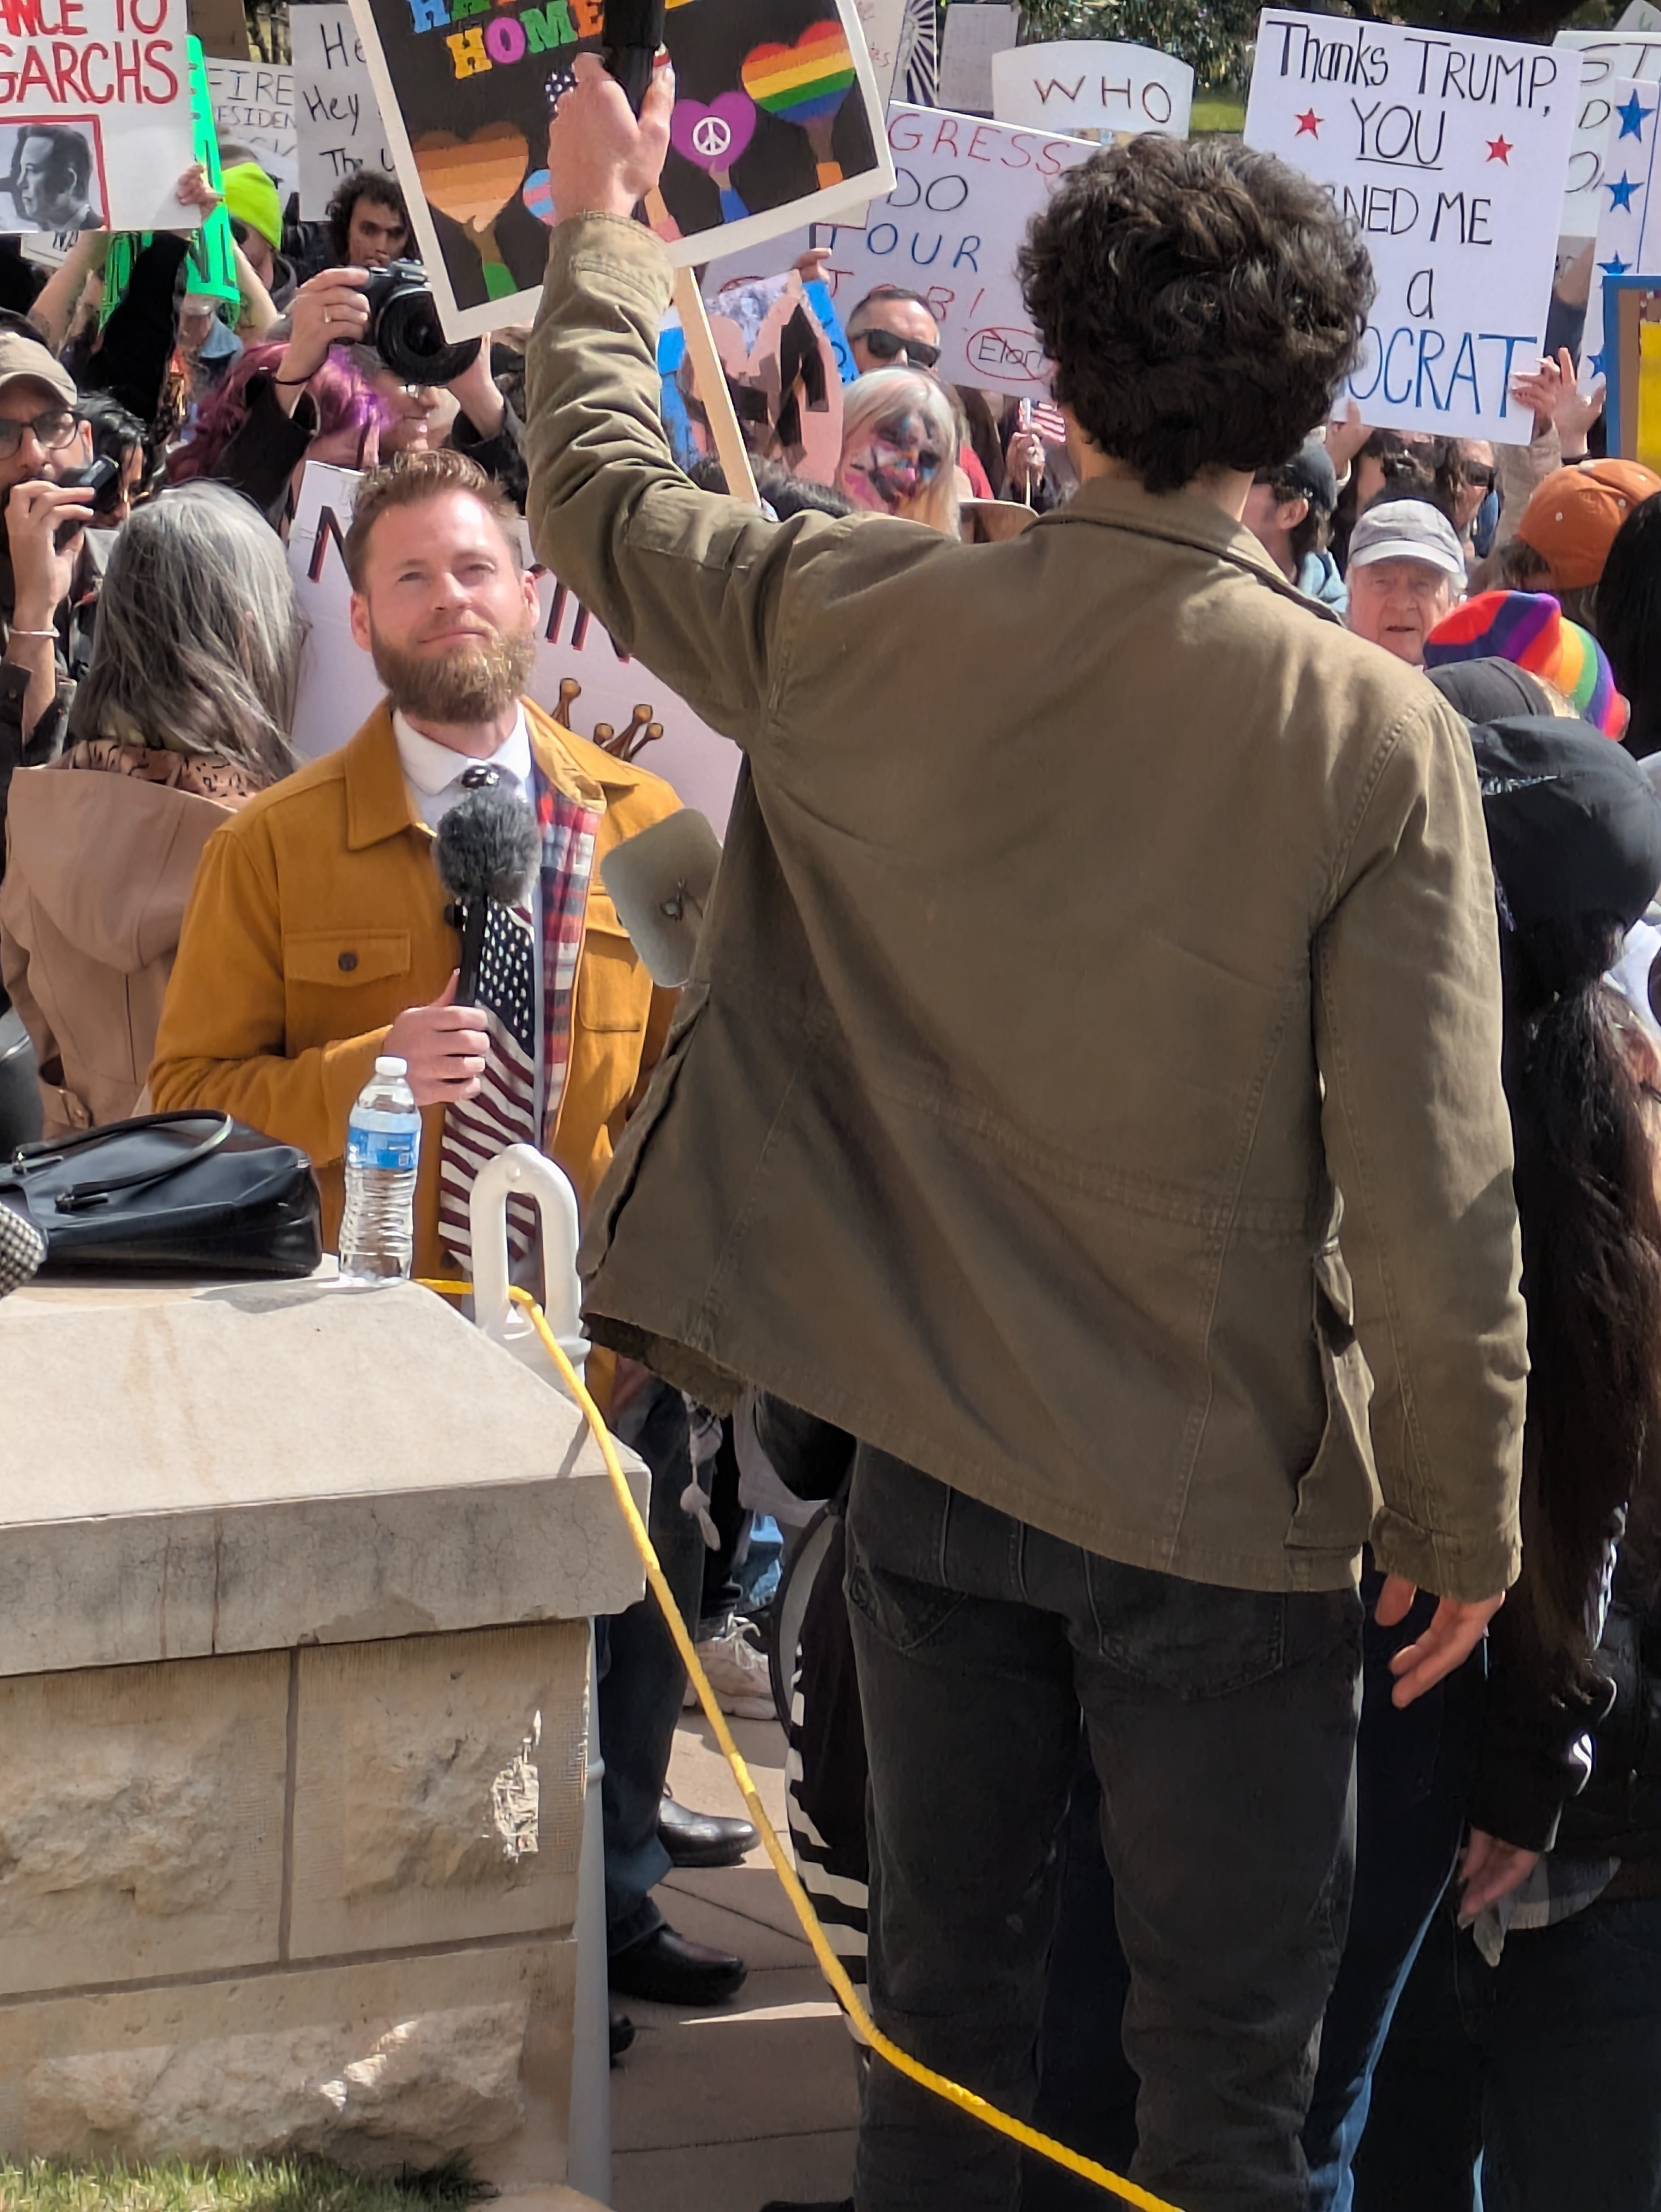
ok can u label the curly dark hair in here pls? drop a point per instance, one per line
(1201, 302)
(375, 186)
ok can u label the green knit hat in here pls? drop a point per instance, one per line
(251, 197)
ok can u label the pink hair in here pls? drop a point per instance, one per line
(343, 400)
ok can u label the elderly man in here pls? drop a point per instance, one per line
(1407, 569)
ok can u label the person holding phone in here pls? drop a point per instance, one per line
(44, 443)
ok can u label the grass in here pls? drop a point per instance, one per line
(1215, 111)
(279, 2185)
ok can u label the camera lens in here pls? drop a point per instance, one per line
(407, 333)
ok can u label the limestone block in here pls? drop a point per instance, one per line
(379, 2065)
(438, 1788)
(141, 1821)
(343, 1464)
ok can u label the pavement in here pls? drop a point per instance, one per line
(719, 2111)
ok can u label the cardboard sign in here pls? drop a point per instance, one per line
(964, 192)
(884, 24)
(338, 125)
(581, 678)
(94, 114)
(1090, 88)
(972, 38)
(1608, 59)
(777, 120)
(253, 107)
(1642, 15)
(1449, 153)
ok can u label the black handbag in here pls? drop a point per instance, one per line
(192, 1193)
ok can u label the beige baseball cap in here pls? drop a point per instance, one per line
(23, 358)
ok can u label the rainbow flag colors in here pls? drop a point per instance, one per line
(803, 82)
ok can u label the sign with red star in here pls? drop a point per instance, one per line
(1448, 154)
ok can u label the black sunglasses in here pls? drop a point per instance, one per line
(886, 347)
(1481, 474)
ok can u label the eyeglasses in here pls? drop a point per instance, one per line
(1481, 475)
(885, 346)
(53, 432)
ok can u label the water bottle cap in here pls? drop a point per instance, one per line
(392, 1066)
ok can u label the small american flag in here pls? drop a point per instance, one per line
(502, 1111)
(1046, 420)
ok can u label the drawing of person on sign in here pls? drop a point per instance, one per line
(54, 179)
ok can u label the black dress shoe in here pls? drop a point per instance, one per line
(665, 1969)
(701, 1840)
(622, 2034)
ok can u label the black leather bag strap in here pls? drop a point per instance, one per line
(32, 1158)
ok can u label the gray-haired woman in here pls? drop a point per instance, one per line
(183, 716)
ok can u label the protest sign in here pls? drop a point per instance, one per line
(916, 81)
(964, 192)
(254, 107)
(1449, 153)
(883, 23)
(1091, 88)
(1632, 349)
(210, 264)
(1642, 15)
(777, 120)
(338, 125)
(94, 114)
(1608, 58)
(1629, 220)
(974, 35)
(580, 677)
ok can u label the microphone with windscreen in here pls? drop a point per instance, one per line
(486, 851)
(22, 1250)
(631, 31)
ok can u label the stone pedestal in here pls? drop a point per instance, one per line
(294, 1592)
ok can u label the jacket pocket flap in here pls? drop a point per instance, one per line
(345, 955)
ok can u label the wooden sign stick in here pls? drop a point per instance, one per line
(710, 380)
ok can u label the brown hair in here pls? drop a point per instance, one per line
(409, 479)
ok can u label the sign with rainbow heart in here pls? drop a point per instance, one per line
(777, 121)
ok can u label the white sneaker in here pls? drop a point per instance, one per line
(738, 1674)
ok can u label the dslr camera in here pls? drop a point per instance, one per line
(405, 330)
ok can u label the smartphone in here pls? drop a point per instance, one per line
(95, 478)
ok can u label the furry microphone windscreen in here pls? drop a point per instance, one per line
(487, 847)
(23, 1249)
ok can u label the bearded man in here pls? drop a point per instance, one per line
(318, 936)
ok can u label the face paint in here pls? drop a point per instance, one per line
(892, 464)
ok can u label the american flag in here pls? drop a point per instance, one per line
(1628, 234)
(503, 1110)
(1045, 418)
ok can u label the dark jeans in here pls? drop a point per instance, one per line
(642, 1680)
(1549, 2065)
(1413, 1772)
(1222, 1727)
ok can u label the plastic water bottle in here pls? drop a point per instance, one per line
(383, 1151)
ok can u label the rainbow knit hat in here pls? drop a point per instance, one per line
(1529, 629)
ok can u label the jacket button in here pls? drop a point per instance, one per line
(348, 962)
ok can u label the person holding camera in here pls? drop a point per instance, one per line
(359, 343)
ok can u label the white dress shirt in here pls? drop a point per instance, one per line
(433, 773)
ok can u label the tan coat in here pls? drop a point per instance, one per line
(99, 869)
(318, 917)
(992, 1127)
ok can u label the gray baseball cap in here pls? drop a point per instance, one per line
(1407, 530)
(26, 359)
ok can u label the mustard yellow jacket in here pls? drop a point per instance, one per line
(317, 917)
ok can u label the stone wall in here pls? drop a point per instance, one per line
(318, 1900)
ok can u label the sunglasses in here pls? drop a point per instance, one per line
(1481, 476)
(53, 432)
(885, 346)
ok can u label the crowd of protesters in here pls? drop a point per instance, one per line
(1188, 986)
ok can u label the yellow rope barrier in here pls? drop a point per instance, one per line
(830, 1965)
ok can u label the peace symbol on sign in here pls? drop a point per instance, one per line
(711, 137)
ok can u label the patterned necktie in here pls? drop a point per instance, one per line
(502, 1111)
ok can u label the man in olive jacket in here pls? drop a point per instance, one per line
(1097, 918)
